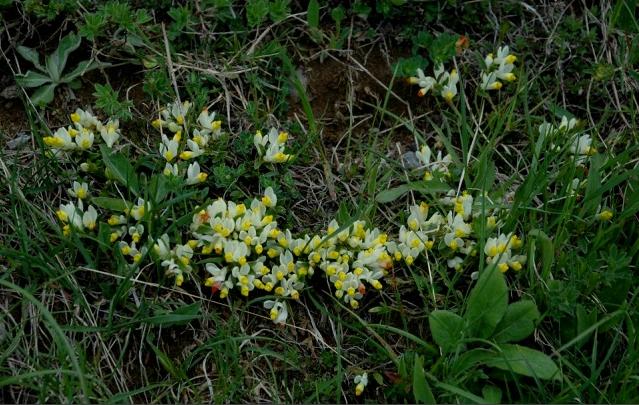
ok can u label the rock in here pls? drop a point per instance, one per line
(9, 92)
(410, 160)
(20, 140)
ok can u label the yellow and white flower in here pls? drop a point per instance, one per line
(193, 152)
(138, 211)
(269, 199)
(61, 140)
(361, 381)
(271, 147)
(89, 218)
(169, 148)
(84, 119)
(278, 312)
(498, 68)
(171, 170)
(162, 247)
(425, 83)
(84, 139)
(194, 175)
(79, 190)
(110, 132)
(209, 125)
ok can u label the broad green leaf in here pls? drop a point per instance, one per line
(525, 361)
(518, 322)
(31, 55)
(312, 15)
(104, 236)
(491, 394)
(547, 251)
(32, 79)
(166, 362)
(338, 14)
(158, 188)
(447, 329)
(121, 169)
(113, 204)
(469, 360)
(82, 68)
(180, 316)
(67, 45)
(52, 68)
(468, 397)
(421, 388)
(423, 187)
(44, 95)
(592, 198)
(487, 303)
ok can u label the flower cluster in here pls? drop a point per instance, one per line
(178, 150)
(250, 253)
(75, 217)
(580, 147)
(81, 135)
(498, 68)
(499, 251)
(351, 257)
(271, 147)
(433, 164)
(454, 234)
(442, 82)
(241, 248)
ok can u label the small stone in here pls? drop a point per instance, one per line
(410, 160)
(20, 140)
(9, 92)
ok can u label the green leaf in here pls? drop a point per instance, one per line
(32, 79)
(158, 188)
(421, 390)
(406, 67)
(487, 303)
(442, 49)
(121, 169)
(338, 14)
(525, 361)
(112, 204)
(547, 251)
(31, 55)
(518, 322)
(491, 394)
(44, 95)
(82, 68)
(623, 16)
(52, 68)
(279, 9)
(312, 14)
(166, 362)
(180, 316)
(592, 197)
(447, 329)
(470, 359)
(104, 237)
(256, 12)
(67, 45)
(423, 187)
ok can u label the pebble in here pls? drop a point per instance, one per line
(9, 92)
(20, 140)
(410, 160)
